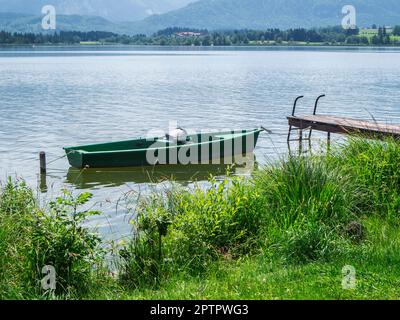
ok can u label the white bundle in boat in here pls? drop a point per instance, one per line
(178, 136)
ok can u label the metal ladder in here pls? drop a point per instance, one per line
(301, 138)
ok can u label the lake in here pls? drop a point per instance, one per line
(56, 97)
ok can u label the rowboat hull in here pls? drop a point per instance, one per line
(212, 148)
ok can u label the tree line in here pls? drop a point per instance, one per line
(177, 37)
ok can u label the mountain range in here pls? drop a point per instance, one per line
(115, 11)
(103, 15)
(262, 14)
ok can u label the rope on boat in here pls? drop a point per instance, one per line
(267, 130)
(50, 162)
(59, 158)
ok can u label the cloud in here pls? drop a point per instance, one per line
(149, 11)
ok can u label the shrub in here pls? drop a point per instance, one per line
(31, 238)
(58, 239)
(141, 260)
(183, 230)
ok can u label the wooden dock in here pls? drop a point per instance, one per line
(341, 125)
(336, 124)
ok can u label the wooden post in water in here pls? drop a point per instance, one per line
(43, 182)
(329, 141)
(42, 159)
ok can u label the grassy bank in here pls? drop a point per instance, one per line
(286, 233)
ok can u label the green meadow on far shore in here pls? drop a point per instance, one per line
(306, 227)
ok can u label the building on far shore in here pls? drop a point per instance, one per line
(188, 34)
(375, 31)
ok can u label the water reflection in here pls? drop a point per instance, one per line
(114, 177)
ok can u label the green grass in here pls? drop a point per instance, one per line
(263, 275)
(286, 233)
(90, 43)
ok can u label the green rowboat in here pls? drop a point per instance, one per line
(207, 148)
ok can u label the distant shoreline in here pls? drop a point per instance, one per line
(112, 45)
(183, 37)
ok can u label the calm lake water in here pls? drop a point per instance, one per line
(51, 98)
